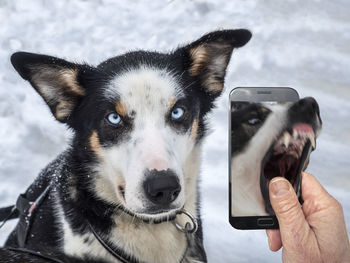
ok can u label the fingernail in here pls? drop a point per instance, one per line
(279, 188)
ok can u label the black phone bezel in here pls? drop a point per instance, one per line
(257, 94)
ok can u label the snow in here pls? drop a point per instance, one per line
(304, 45)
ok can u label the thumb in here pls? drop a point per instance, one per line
(293, 226)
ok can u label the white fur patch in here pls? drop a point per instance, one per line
(76, 245)
(141, 82)
(158, 243)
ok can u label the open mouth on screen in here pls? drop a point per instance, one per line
(286, 158)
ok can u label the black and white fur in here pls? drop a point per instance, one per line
(101, 177)
(256, 129)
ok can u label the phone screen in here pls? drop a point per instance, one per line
(258, 143)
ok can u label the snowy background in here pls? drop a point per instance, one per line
(302, 44)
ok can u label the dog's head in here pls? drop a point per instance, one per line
(275, 138)
(137, 117)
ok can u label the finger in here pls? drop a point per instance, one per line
(315, 197)
(293, 227)
(311, 187)
(323, 213)
(274, 238)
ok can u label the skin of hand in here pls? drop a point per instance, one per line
(314, 232)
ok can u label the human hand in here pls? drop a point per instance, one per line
(315, 232)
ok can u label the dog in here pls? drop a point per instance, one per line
(269, 140)
(131, 171)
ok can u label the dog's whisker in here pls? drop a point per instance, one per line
(189, 85)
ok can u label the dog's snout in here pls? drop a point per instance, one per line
(306, 110)
(161, 187)
(308, 104)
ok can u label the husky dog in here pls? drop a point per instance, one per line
(269, 140)
(139, 122)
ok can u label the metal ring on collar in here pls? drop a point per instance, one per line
(185, 229)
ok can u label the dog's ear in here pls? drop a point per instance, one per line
(56, 80)
(207, 58)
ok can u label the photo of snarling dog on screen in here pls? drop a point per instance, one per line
(269, 139)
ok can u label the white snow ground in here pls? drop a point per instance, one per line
(302, 44)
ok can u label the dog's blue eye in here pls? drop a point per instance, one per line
(177, 113)
(114, 118)
(254, 121)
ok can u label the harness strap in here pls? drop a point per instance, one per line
(188, 239)
(7, 213)
(35, 253)
(28, 208)
(115, 251)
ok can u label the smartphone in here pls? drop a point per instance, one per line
(257, 135)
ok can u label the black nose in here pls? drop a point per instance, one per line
(308, 104)
(305, 110)
(161, 187)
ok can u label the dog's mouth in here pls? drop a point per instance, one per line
(151, 214)
(154, 216)
(158, 216)
(286, 157)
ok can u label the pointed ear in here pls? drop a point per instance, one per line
(56, 80)
(208, 57)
